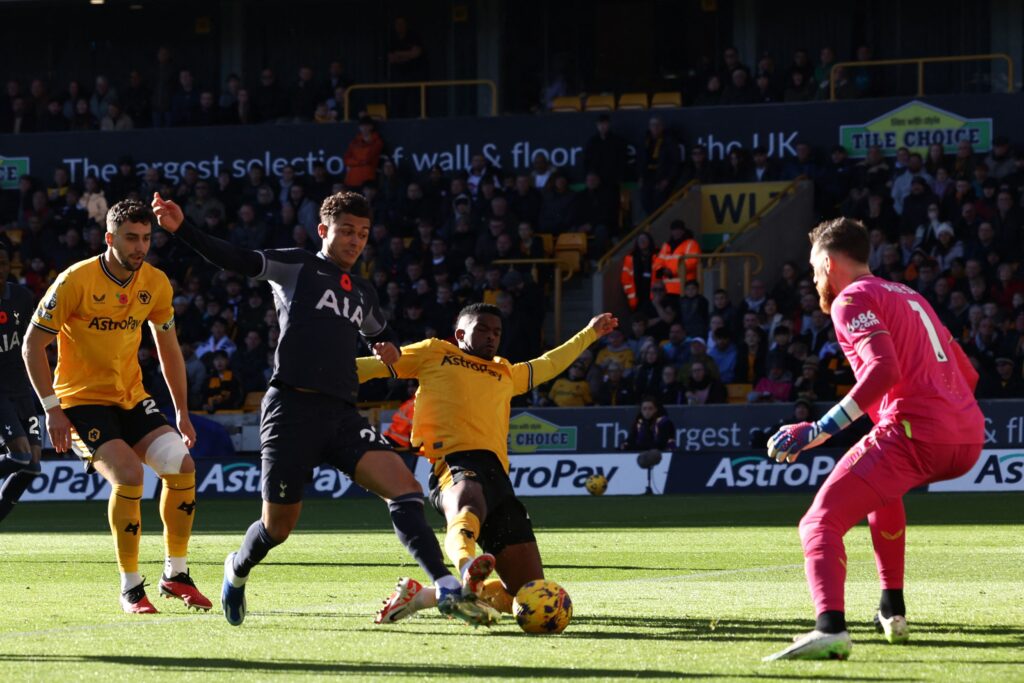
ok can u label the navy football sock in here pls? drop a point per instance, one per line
(832, 621)
(892, 603)
(12, 462)
(416, 535)
(255, 546)
(15, 485)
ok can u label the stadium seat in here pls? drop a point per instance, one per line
(600, 103)
(377, 112)
(569, 261)
(548, 240)
(252, 401)
(570, 103)
(738, 392)
(663, 100)
(14, 234)
(571, 241)
(633, 100)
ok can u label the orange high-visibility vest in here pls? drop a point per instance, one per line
(400, 430)
(628, 280)
(668, 259)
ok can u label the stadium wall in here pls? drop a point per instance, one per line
(510, 142)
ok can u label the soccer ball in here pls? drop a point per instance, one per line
(542, 607)
(597, 484)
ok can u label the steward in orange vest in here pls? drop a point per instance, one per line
(666, 265)
(636, 271)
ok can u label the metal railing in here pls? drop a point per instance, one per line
(756, 218)
(560, 276)
(423, 85)
(645, 224)
(920, 62)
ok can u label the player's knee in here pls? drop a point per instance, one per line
(168, 455)
(128, 472)
(279, 529)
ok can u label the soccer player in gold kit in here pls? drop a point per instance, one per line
(461, 425)
(96, 405)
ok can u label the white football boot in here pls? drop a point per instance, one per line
(816, 645)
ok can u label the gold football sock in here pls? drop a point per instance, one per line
(496, 596)
(123, 512)
(460, 540)
(177, 510)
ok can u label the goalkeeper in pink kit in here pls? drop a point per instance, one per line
(917, 386)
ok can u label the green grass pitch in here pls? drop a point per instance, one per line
(663, 588)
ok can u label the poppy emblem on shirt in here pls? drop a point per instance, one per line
(346, 282)
(3, 317)
(122, 298)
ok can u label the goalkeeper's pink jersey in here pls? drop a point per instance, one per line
(932, 401)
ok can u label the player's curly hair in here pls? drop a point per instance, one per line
(128, 211)
(473, 310)
(842, 235)
(351, 203)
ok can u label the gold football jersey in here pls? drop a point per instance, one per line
(98, 322)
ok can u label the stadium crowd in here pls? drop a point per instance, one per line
(167, 93)
(949, 226)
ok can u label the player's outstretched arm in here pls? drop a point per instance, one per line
(172, 365)
(247, 262)
(552, 363)
(37, 365)
(390, 361)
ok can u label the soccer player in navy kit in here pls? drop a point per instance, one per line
(19, 422)
(309, 414)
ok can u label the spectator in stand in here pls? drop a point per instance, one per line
(798, 88)
(251, 362)
(863, 83)
(164, 83)
(21, 119)
(647, 374)
(750, 358)
(947, 248)
(595, 213)
(739, 89)
(616, 351)
(223, 390)
(1000, 161)
(53, 119)
(726, 355)
(556, 211)
(208, 113)
(711, 94)
(637, 267)
(964, 161)
(835, 180)
(803, 165)
(1004, 383)
(735, 168)
(269, 101)
(606, 154)
(777, 385)
(676, 349)
(305, 95)
(812, 385)
(659, 165)
(407, 63)
(697, 167)
(101, 98)
(363, 155)
(763, 170)
(185, 100)
(702, 388)
(652, 429)
(901, 186)
(915, 204)
(525, 200)
(125, 182)
(693, 310)
(615, 389)
(572, 389)
(823, 72)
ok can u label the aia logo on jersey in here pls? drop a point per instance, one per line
(122, 298)
(346, 282)
(862, 322)
(144, 297)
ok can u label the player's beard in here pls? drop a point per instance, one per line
(125, 262)
(825, 296)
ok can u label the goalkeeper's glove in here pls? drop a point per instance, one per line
(787, 443)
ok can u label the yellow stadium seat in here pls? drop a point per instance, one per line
(738, 392)
(662, 100)
(600, 103)
(570, 103)
(252, 401)
(548, 240)
(378, 112)
(633, 100)
(14, 234)
(568, 261)
(571, 241)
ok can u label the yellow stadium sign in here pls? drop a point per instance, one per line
(529, 434)
(726, 208)
(916, 125)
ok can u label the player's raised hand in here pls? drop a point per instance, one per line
(790, 440)
(604, 323)
(386, 352)
(59, 428)
(188, 432)
(168, 213)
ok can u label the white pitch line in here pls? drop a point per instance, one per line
(135, 623)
